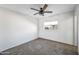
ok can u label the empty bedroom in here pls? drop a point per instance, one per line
(39, 29)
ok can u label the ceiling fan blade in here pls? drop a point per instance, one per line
(35, 9)
(44, 7)
(36, 13)
(48, 12)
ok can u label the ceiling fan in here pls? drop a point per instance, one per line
(41, 11)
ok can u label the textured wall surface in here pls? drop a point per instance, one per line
(15, 29)
(64, 32)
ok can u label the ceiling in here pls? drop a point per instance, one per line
(25, 8)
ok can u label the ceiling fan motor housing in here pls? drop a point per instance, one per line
(41, 11)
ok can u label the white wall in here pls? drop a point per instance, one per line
(15, 29)
(77, 14)
(75, 26)
(64, 33)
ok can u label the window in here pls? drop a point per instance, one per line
(51, 25)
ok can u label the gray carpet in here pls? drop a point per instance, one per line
(42, 47)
